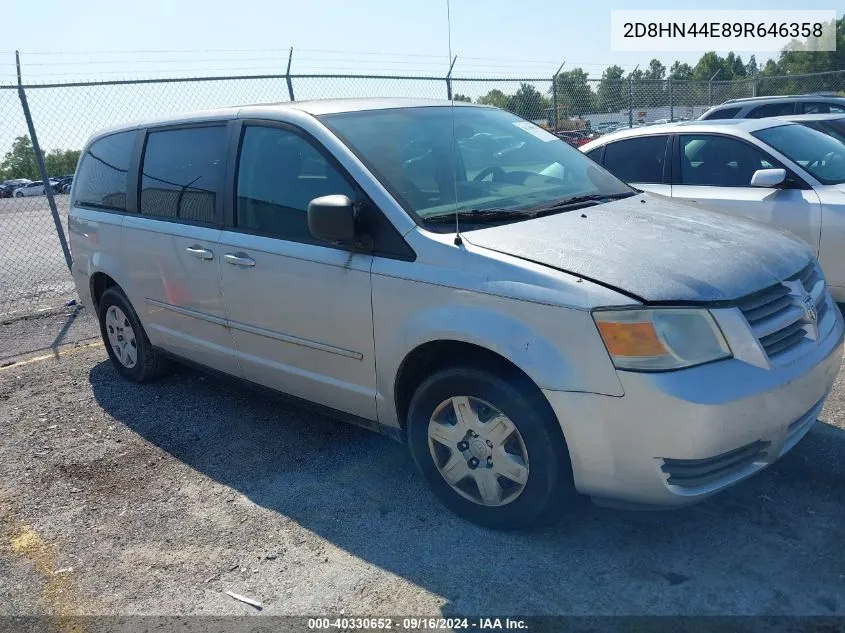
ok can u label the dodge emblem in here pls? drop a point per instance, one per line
(810, 313)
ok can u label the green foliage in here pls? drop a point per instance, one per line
(574, 95)
(61, 162)
(19, 162)
(528, 102)
(459, 97)
(680, 71)
(495, 98)
(611, 95)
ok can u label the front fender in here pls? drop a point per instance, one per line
(558, 348)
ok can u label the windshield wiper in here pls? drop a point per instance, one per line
(497, 214)
(479, 216)
(576, 202)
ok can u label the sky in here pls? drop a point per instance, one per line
(103, 40)
(99, 40)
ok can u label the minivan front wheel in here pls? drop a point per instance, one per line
(125, 339)
(488, 447)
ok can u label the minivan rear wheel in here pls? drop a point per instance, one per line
(125, 339)
(489, 448)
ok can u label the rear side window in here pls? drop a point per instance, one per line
(101, 182)
(823, 108)
(182, 173)
(724, 113)
(772, 109)
(637, 159)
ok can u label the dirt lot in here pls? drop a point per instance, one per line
(157, 499)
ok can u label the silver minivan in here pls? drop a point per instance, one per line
(464, 281)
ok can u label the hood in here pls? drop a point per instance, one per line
(654, 250)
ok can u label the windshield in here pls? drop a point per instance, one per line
(821, 155)
(833, 127)
(501, 165)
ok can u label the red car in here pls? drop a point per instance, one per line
(576, 138)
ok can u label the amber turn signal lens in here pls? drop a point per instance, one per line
(636, 338)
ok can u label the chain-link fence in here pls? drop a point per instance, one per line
(33, 269)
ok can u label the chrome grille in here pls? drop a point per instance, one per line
(776, 314)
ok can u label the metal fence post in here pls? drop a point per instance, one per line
(42, 168)
(671, 100)
(710, 88)
(287, 76)
(630, 102)
(554, 97)
(449, 78)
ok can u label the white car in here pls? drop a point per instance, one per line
(769, 170)
(32, 189)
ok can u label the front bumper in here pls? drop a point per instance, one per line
(678, 437)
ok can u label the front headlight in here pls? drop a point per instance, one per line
(660, 339)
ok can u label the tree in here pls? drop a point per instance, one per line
(20, 162)
(734, 67)
(751, 67)
(528, 102)
(680, 71)
(574, 96)
(656, 70)
(611, 93)
(495, 98)
(707, 66)
(460, 97)
(61, 162)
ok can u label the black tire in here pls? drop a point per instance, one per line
(149, 363)
(549, 488)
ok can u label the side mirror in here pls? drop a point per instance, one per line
(768, 178)
(332, 218)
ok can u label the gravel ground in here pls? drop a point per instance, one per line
(123, 499)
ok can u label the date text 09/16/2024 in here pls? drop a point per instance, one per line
(417, 624)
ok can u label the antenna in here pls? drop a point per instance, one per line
(458, 240)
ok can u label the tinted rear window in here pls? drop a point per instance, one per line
(102, 176)
(637, 159)
(724, 113)
(772, 109)
(182, 173)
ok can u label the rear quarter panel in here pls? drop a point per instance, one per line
(95, 242)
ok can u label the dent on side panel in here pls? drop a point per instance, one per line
(558, 348)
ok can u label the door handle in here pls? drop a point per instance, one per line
(199, 252)
(239, 259)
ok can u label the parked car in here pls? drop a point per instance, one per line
(6, 191)
(61, 184)
(607, 126)
(572, 335)
(66, 187)
(830, 124)
(763, 107)
(15, 183)
(32, 189)
(769, 170)
(576, 138)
